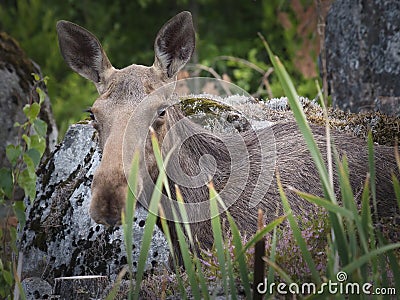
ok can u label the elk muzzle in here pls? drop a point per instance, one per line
(109, 185)
(109, 190)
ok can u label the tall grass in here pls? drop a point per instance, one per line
(352, 229)
(354, 245)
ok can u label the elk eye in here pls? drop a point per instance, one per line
(161, 112)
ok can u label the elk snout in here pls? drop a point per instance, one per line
(109, 191)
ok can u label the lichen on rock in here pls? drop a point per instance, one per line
(60, 238)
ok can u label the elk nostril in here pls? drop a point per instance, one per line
(112, 221)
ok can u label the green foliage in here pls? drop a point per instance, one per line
(351, 230)
(24, 157)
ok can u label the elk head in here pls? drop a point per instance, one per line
(120, 93)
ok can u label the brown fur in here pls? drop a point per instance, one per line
(121, 91)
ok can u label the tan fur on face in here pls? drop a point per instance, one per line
(120, 92)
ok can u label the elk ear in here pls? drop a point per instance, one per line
(174, 44)
(83, 53)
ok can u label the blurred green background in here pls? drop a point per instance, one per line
(226, 35)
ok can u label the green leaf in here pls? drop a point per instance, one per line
(30, 165)
(36, 76)
(42, 95)
(27, 140)
(34, 154)
(40, 127)
(7, 277)
(6, 181)
(19, 209)
(38, 143)
(31, 111)
(27, 181)
(45, 79)
(13, 153)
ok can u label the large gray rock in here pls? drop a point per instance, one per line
(363, 55)
(17, 89)
(36, 288)
(60, 238)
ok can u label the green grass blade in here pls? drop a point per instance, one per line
(188, 231)
(348, 202)
(218, 237)
(371, 162)
(271, 272)
(367, 227)
(354, 265)
(150, 221)
(302, 123)
(366, 220)
(328, 205)
(345, 186)
(148, 234)
(167, 233)
(297, 233)
(200, 275)
(127, 215)
(168, 237)
(231, 277)
(396, 186)
(301, 120)
(394, 265)
(237, 242)
(330, 258)
(114, 291)
(183, 214)
(260, 234)
(279, 270)
(328, 135)
(187, 260)
(396, 153)
(340, 244)
(159, 159)
(259, 263)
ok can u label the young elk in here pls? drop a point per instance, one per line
(125, 109)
